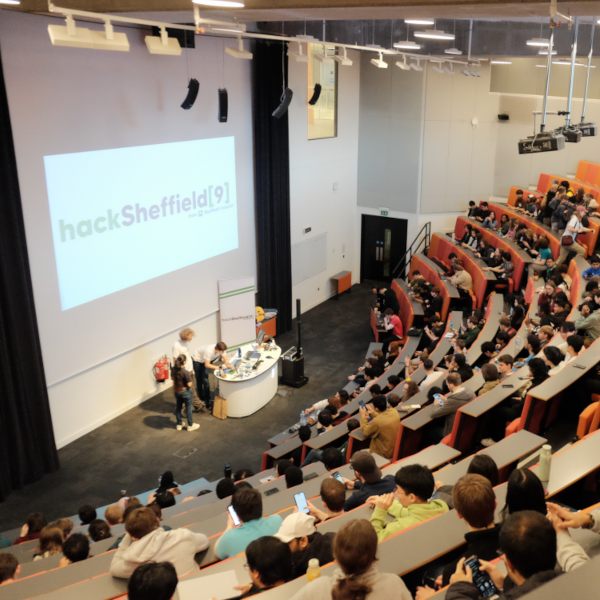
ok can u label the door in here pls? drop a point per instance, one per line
(383, 243)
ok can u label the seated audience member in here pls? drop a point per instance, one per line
(368, 482)
(269, 563)
(281, 466)
(462, 280)
(528, 542)
(505, 326)
(32, 528)
(560, 311)
(553, 358)
(51, 542)
(505, 366)
(393, 353)
(393, 401)
(225, 488)
(575, 347)
(155, 508)
(5, 542)
(490, 376)
(333, 497)
(567, 329)
(394, 331)
(380, 424)
(456, 397)
(99, 530)
(532, 347)
(242, 474)
(459, 365)
(472, 331)
(324, 422)
(408, 504)
(293, 477)
(432, 374)
(75, 549)
(247, 504)
(475, 502)
(433, 304)
(392, 383)
(353, 424)
(589, 321)
(146, 541)
(524, 491)
(113, 515)
(87, 514)
(488, 353)
(9, 569)
(511, 408)
(545, 333)
(409, 389)
(152, 581)
(66, 526)
(298, 531)
(357, 576)
(132, 504)
(332, 459)
(304, 434)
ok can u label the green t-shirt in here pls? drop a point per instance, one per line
(235, 541)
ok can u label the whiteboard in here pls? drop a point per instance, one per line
(309, 258)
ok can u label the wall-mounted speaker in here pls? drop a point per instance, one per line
(193, 87)
(503, 117)
(223, 105)
(316, 94)
(282, 108)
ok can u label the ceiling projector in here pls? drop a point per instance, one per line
(588, 129)
(571, 134)
(542, 142)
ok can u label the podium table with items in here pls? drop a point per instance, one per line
(253, 381)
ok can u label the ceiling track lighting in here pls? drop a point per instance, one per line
(434, 34)
(79, 37)
(419, 21)
(323, 58)
(406, 45)
(466, 72)
(543, 42)
(416, 66)
(163, 45)
(454, 51)
(403, 65)
(298, 56)
(239, 52)
(475, 73)
(343, 59)
(449, 69)
(438, 68)
(544, 52)
(379, 62)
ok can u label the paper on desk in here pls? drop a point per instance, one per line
(219, 586)
(267, 479)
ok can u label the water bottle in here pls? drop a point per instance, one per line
(239, 353)
(303, 420)
(314, 570)
(545, 463)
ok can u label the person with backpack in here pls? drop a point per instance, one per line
(568, 241)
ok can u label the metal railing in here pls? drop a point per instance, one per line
(422, 240)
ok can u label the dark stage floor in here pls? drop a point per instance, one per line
(133, 449)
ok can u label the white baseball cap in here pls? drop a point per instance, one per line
(297, 525)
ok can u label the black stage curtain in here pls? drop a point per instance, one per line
(27, 448)
(272, 183)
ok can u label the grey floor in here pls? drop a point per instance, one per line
(131, 451)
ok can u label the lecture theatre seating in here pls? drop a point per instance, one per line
(426, 269)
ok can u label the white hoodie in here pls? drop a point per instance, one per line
(177, 546)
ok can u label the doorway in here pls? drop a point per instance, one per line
(383, 243)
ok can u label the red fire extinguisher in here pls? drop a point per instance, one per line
(161, 369)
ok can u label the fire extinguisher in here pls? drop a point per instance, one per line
(161, 370)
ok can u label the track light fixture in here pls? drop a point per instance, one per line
(466, 72)
(403, 65)
(449, 69)
(406, 45)
(379, 62)
(316, 94)
(416, 66)
(343, 59)
(297, 56)
(543, 42)
(163, 45)
(80, 37)
(438, 68)
(453, 51)
(239, 52)
(323, 58)
(193, 87)
(419, 21)
(434, 34)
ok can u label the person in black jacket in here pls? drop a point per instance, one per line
(390, 300)
(528, 541)
(368, 480)
(298, 531)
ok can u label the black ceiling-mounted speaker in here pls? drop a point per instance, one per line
(316, 94)
(223, 105)
(193, 87)
(282, 108)
(503, 117)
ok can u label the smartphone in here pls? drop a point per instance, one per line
(310, 476)
(580, 366)
(271, 491)
(361, 403)
(477, 368)
(481, 579)
(337, 475)
(508, 385)
(301, 502)
(440, 398)
(235, 518)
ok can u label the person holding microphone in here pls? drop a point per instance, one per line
(202, 361)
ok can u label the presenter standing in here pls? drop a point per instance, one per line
(203, 359)
(182, 379)
(181, 346)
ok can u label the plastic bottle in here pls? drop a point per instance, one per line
(303, 420)
(545, 463)
(314, 570)
(239, 353)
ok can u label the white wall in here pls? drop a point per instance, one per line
(70, 100)
(315, 166)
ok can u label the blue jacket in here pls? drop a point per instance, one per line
(591, 272)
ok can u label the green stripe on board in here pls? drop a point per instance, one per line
(250, 287)
(238, 294)
(239, 345)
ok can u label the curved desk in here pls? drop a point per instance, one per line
(247, 394)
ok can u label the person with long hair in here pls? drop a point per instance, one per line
(51, 542)
(410, 389)
(357, 576)
(524, 492)
(184, 396)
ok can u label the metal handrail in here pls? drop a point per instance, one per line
(412, 250)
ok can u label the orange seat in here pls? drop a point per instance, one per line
(585, 420)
